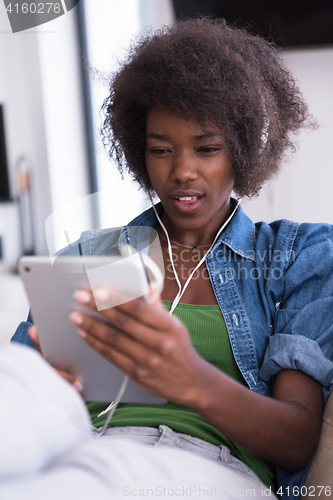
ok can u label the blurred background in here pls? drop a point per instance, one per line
(53, 168)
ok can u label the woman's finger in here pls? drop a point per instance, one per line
(112, 354)
(71, 379)
(139, 372)
(150, 315)
(108, 337)
(33, 334)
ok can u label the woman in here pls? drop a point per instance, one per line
(196, 112)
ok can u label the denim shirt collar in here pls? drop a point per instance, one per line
(239, 235)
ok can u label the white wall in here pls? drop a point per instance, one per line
(41, 91)
(110, 26)
(24, 122)
(303, 191)
(60, 71)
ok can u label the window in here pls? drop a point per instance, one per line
(108, 27)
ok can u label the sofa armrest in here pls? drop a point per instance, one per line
(321, 471)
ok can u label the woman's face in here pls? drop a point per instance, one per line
(189, 169)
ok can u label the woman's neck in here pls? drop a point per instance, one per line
(196, 237)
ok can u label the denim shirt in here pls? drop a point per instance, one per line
(274, 285)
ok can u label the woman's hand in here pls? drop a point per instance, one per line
(155, 350)
(71, 379)
(145, 342)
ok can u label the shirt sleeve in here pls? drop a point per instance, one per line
(303, 322)
(21, 335)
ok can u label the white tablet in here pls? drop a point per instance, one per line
(50, 291)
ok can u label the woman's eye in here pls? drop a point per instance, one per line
(159, 151)
(211, 149)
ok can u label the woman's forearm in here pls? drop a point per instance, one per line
(284, 429)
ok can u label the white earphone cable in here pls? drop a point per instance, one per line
(181, 291)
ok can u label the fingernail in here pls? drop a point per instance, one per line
(78, 385)
(82, 296)
(102, 295)
(82, 333)
(32, 334)
(76, 318)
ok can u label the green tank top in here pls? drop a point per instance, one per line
(211, 340)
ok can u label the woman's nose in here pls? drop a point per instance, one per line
(184, 167)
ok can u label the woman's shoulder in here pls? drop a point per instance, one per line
(296, 236)
(285, 237)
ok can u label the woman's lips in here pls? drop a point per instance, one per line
(187, 203)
